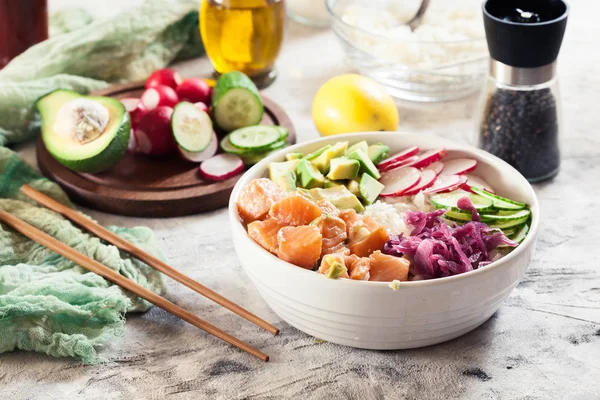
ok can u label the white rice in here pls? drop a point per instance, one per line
(390, 212)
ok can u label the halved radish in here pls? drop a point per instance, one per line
(428, 178)
(194, 90)
(204, 155)
(153, 134)
(135, 108)
(192, 128)
(222, 166)
(397, 158)
(428, 158)
(165, 76)
(446, 183)
(473, 180)
(459, 166)
(202, 106)
(436, 167)
(160, 95)
(399, 181)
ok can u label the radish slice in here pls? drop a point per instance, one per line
(459, 166)
(446, 183)
(473, 180)
(203, 155)
(396, 158)
(221, 167)
(399, 164)
(428, 158)
(436, 167)
(428, 178)
(398, 181)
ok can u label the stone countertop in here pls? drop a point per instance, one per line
(543, 343)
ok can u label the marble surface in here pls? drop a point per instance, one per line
(543, 343)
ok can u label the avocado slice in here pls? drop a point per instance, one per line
(336, 270)
(370, 188)
(322, 161)
(378, 152)
(366, 165)
(283, 174)
(362, 145)
(353, 186)
(343, 168)
(317, 153)
(339, 196)
(308, 175)
(293, 156)
(329, 183)
(84, 133)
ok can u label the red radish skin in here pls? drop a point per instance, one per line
(194, 90)
(153, 135)
(459, 166)
(165, 76)
(446, 183)
(428, 158)
(135, 108)
(221, 167)
(157, 96)
(202, 106)
(399, 181)
(399, 164)
(203, 155)
(397, 158)
(437, 167)
(428, 178)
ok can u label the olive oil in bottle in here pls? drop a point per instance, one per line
(243, 35)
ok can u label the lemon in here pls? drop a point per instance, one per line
(353, 103)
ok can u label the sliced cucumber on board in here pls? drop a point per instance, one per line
(192, 127)
(255, 138)
(236, 102)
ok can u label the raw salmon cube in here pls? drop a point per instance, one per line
(386, 268)
(256, 199)
(359, 269)
(265, 233)
(300, 245)
(367, 238)
(327, 207)
(333, 230)
(295, 210)
(350, 217)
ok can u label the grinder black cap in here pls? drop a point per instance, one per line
(525, 33)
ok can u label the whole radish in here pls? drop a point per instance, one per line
(202, 106)
(165, 76)
(153, 134)
(159, 95)
(194, 90)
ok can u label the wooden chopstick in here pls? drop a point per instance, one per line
(138, 253)
(113, 276)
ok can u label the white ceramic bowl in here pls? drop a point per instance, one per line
(370, 314)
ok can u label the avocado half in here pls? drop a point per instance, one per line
(84, 133)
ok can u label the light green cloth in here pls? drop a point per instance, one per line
(84, 55)
(49, 304)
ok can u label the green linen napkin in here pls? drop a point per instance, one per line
(83, 55)
(49, 304)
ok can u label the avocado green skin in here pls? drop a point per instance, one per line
(108, 157)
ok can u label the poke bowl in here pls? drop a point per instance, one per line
(409, 308)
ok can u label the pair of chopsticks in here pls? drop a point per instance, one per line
(107, 273)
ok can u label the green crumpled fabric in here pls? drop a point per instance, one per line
(85, 55)
(49, 304)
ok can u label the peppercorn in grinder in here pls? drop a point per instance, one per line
(519, 112)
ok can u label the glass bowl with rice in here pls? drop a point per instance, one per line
(445, 58)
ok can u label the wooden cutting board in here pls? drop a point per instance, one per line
(144, 186)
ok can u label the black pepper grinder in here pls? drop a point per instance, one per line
(519, 115)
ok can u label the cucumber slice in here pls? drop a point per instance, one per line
(229, 148)
(252, 158)
(236, 102)
(509, 224)
(449, 200)
(517, 215)
(501, 203)
(458, 216)
(255, 138)
(192, 127)
(521, 234)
